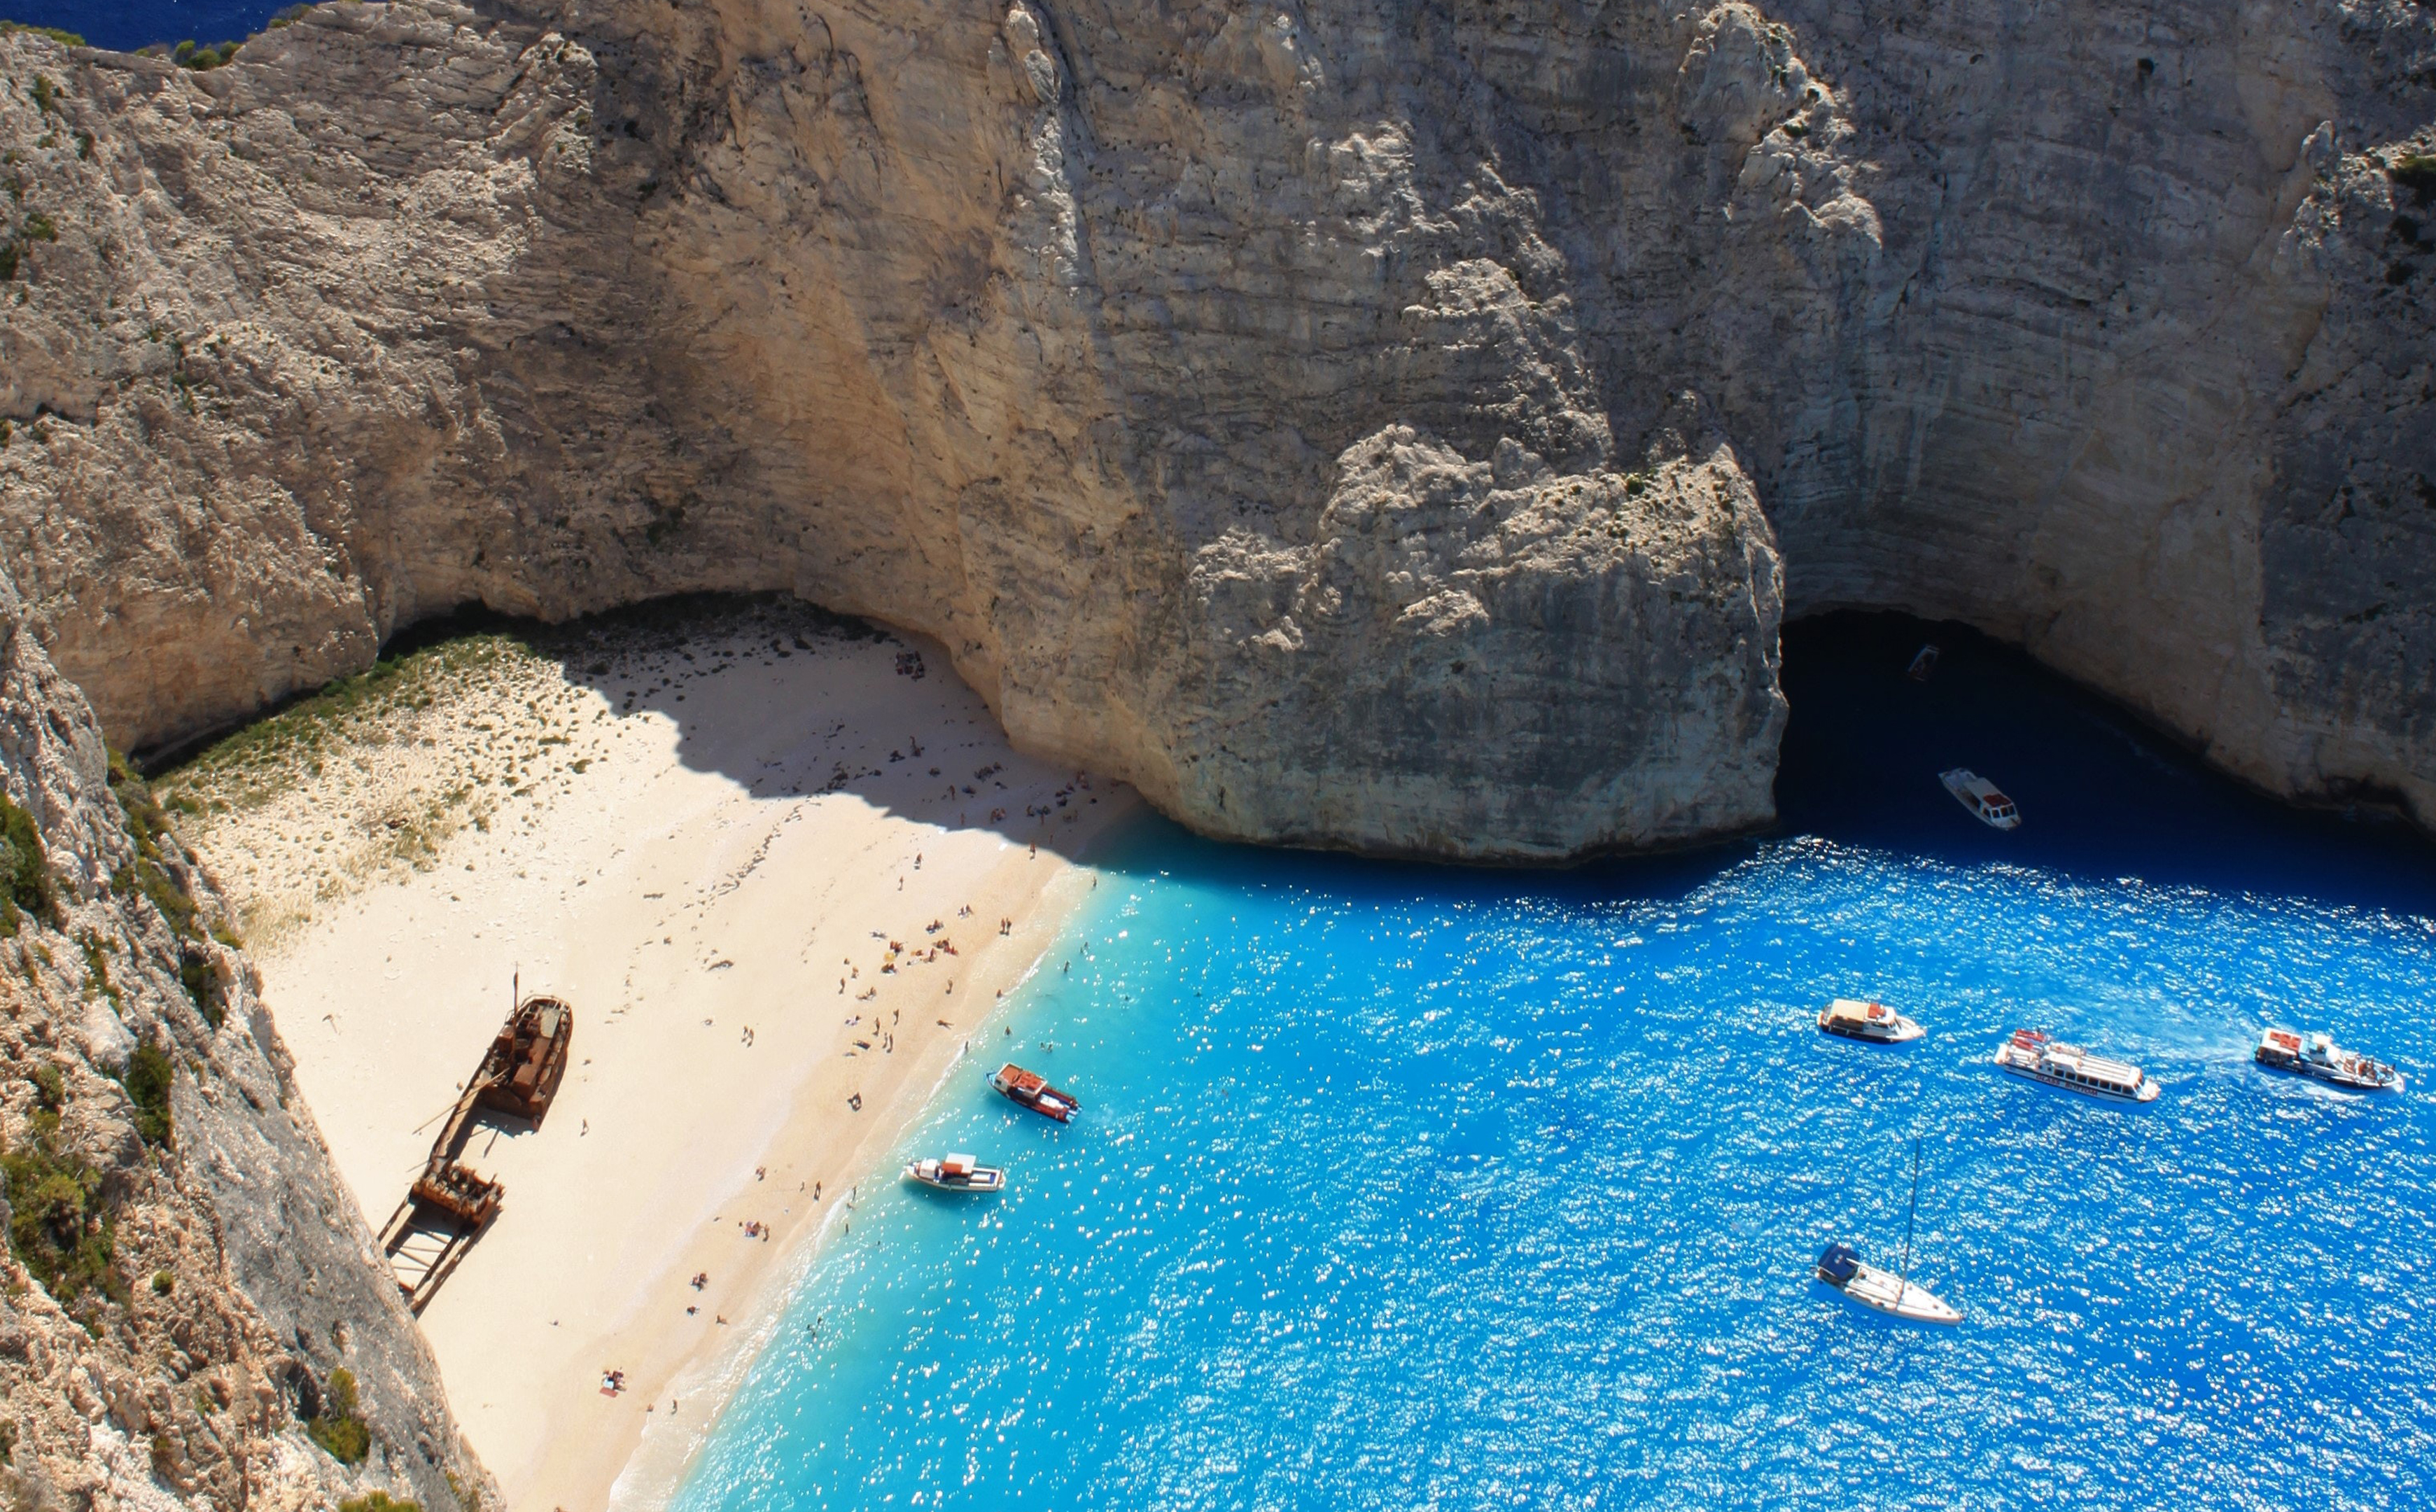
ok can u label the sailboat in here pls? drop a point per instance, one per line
(1894, 1293)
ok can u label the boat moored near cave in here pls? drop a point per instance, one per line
(2039, 1057)
(1976, 793)
(2316, 1055)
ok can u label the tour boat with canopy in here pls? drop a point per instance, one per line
(1873, 1023)
(2039, 1057)
(2316, 1055)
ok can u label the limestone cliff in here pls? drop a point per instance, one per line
(188, 1284)
(1395, 424)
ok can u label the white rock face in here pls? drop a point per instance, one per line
(241, 1276)
(1252, 397)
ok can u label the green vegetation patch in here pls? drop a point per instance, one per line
(2416, 172)
(149, 1076)
(376, 1502)
(339, 1427)
(58, 1223)
(147, 824)
(65, 39)
(24, 870)
(258, 762)
(186, 55)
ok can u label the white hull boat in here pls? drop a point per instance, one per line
(2036, 1057)
(1882, 1291)
(1872, 1023)
(1892, 1293)
(1976, 793)
(2316, 1055)
(956, 1172)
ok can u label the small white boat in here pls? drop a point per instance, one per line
(1886, 1292)
(1922, 664)
(1872, 1021)
(2040, 1058)
(1980, 795)
(956, 1172)
(2316, 1055)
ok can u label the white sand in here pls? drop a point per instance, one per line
(690, 883)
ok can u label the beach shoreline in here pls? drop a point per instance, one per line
(783, 879)
(660, 1452)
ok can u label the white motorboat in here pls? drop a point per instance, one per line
(1894, 1292)
(1922, 664)
(2038, 1057)
(1873, 1023)
(1976, 793)
(2316, 1055)
(956, 1172)
(1886, 1292)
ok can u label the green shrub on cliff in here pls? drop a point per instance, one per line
(189, 56)
(149, 1076)
(24, 871)
(148, 822)
(2416, 172)
(378, 1501)
(338, 1427)
(65, 39)
(58, 1227)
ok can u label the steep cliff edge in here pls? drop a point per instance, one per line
(189, 1287)
(1282, 408)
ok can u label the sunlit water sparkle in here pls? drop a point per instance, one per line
(1402, 1187)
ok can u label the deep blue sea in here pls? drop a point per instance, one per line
(1399, 1187)
(128, 25)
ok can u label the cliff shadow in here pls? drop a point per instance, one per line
(787, 700)
(2101, 794)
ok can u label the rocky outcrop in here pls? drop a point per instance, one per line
(188, 1284)
(1280, 406)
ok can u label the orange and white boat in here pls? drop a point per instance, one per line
(1033, 1092)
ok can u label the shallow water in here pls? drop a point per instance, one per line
(1399, 1186)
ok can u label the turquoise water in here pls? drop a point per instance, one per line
(1403, 1188)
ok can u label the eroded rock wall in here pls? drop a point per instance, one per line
(186, 1277)
(1281, 407)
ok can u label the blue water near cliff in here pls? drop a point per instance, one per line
(1401, 1188)
(128, 25)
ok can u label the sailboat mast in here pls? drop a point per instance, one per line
(1910, 1219)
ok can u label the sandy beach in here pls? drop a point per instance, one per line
(782, 871)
